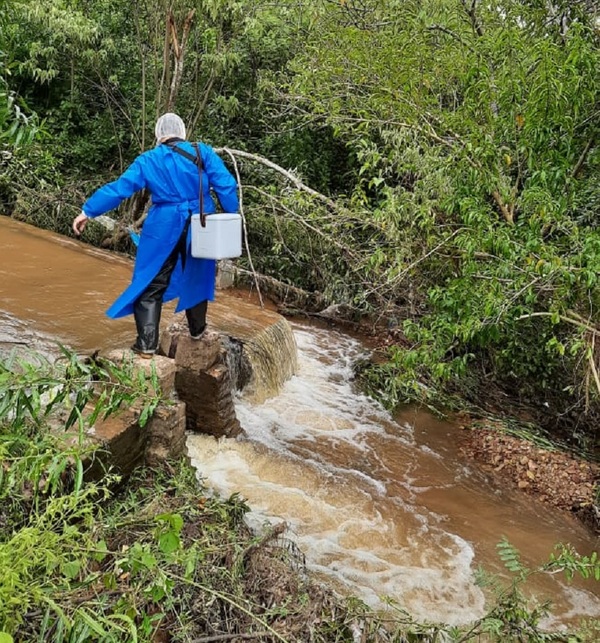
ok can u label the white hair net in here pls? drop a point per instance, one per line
(169, 125)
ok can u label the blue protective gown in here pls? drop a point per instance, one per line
(173, 182)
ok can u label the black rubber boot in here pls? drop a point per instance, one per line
(147, 309)
(147, 319)
(196, 318)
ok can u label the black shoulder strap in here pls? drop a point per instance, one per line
(196, 160)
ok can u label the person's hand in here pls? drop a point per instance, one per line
(79, 223)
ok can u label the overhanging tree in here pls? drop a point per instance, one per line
(475, 128)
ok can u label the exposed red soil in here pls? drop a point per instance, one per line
(556, 478)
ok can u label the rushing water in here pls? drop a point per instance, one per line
(380, 505)
(383, 506)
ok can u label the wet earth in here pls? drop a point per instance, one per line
(558, 479)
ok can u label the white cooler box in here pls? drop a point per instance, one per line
(220, 239)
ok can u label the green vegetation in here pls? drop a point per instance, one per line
(474, 137)
(452, 151)
(451, 148)
(89, 558)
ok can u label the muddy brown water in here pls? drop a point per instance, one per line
(380, 505)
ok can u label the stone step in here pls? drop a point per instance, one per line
(244, 347)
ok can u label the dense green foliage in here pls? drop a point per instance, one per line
(475, 137)
(453, 144)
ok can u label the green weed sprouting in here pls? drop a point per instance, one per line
(512, 617)
(47, 509)
(31, 389)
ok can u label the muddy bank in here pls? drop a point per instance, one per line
(560, 480)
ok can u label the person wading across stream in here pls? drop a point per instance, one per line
(164, 268)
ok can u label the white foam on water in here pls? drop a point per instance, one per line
(334, 507)
(346, 478)
(582, 604)
(343, 535)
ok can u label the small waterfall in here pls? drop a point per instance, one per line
(383, 506)
(261, 348)
(273, 359)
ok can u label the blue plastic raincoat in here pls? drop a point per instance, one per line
(173, 182)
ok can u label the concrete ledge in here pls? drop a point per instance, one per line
(164, 368)
(124, 444)
(244, 347)
(203, 380)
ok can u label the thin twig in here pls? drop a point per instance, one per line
(110, 98)
(345, 249)
(515, 297)
(564, 318)
(582, 158)
(420, 259)
(454, 35)
(231, 600)
(227, 637)
(593, 365)
(587, 378)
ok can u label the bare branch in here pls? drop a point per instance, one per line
(111, 98)
(507, 211)
(216, 638)
(179, 54)
(592, 363)
(166, 70)
(473, 18)
(287, 173)
(351, 256)
(582, 158)
(453, 34)
(564, 318)
(400, 276)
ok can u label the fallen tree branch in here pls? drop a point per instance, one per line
(570, 320)
(593, 364)
(579, 321)
(415, 263)
(283, 291)
(345, 249)
(287, 173)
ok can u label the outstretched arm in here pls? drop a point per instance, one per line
(109, 196)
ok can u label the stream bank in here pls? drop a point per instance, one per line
(565, 481)
(560, 480)
(513, 441)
